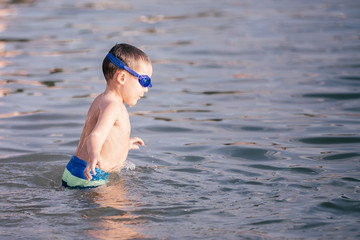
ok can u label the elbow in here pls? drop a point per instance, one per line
(92, 139)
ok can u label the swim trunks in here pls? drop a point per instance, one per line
(74, 176)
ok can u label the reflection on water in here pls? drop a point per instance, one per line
(251, 128)
(110, 213)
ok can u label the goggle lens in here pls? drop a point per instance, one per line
(145, 81)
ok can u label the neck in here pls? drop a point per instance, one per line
(113, 91)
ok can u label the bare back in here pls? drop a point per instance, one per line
(116, 146)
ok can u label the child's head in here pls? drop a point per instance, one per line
(128, 54)
(130, 81)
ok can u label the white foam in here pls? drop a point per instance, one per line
(129, 166)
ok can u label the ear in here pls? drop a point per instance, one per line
(121, 77)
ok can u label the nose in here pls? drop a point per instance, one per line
(146, 89)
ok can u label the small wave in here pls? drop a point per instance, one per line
(341, 206)
(335, 96)
(341, 156)
(187, 170)
(250, 154)
(329, 140)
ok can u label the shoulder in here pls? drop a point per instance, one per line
(108, 107)
(113, 108)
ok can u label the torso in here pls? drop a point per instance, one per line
(116, 146)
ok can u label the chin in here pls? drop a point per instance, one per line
(133, 103)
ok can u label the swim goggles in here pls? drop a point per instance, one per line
(144, 80)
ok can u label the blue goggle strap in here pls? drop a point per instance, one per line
(117, 62)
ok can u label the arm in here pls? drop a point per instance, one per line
(96, 139)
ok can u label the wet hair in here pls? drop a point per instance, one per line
(128, 54)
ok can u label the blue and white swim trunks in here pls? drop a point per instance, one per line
(74, 176)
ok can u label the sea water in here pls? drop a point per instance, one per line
(251, 127)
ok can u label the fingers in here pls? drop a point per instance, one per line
(87, 173)
(137, 140)
(93, 170)
(99, 164)
(134, 146)
(90, 168)
(141, 142)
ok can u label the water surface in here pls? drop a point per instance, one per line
(251, 128)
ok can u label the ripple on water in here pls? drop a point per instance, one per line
(188, 170)
(34, 170)
(341, 156)
(172, 211)
(351, 78)
(309, 225)
(251, 128)
(42, 126)
(266, 222)
(329, 140)
(190, 158)
(245, 153)
(333, 96)
(41, 115)
(171, 129)
(341, 206)
(351, 179)
(102, 212)
(34, 158)
(300, 170)
(243, 172)
(218, 162)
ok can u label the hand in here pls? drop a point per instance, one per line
(135, 142)
(92, 163)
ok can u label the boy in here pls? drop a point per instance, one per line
(105, 140)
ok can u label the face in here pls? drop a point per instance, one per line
(133, 91)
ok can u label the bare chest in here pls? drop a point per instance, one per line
(121, 128)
